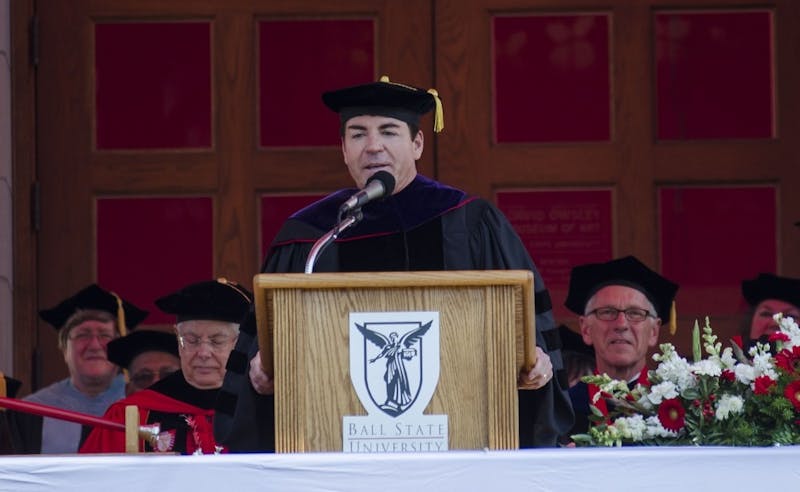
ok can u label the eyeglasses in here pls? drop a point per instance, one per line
(87, 336)
(191, 343)
(634, 315)
(146, 377)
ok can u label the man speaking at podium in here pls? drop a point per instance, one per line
(407, 223)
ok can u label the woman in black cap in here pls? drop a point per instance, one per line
(207, 326)
(768, 295)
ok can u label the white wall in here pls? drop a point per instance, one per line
(6, 256)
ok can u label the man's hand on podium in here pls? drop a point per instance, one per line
(262, 383)
(540, 375)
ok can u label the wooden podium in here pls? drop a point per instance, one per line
(486, 336)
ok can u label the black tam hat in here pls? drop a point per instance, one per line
(385, 98)
(768, 286)
(586, 280)
(95, 298)
(217, 300)
(122, 351)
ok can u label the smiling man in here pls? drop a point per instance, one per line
(621, 306)
(423, 225)
(86, 322)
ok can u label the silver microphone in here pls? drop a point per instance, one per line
(378, 185)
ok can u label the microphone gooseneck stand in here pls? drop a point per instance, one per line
(344, 223)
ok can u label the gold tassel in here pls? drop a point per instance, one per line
(123, 330)
(438, 116)
(3, 389)
(673, 319)
(235, 286)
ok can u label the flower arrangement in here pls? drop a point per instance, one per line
(727, 398)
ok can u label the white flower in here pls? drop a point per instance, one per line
(614, 387)
(727, 359)
(677, 370)
(762, 362)
(790, 328)
(728, 405)
(662, 391)
(632, 427)
(655, 429)
(745, 373)
(707, 367)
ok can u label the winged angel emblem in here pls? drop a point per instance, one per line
(396, 350)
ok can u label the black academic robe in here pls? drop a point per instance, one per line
(426, 226)
(8, 438)
(184, 415)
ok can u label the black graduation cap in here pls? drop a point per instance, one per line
(11, 386)
(385, 98)
(573, 342)
(121, 351)
(586, 280)
(219, 300)
(96, 298)
(769, 286)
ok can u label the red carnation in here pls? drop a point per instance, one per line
(779, 336)
(792, 393)
(728, 375)
(762, 385)
(788, 360)
(671, 414)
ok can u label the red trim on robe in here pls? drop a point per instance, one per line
(111, 441)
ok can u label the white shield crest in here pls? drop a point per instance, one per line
(394, 360)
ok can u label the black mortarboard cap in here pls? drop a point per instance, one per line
(121, 351)
(586, 280)
(11, 386)
(769, 286)
(219, 300)
(385, 98)
(96, 298)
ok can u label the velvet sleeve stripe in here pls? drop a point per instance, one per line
(553, 339)
(237, 362)
(562, 378)
(226, 402)
(542, 301)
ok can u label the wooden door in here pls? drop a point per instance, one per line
(166, 130)
(604, 129)
(601, 128)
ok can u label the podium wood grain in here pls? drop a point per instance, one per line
(486, 337)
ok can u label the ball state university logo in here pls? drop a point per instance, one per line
(394, 360)
(396, 350)
(394, 367)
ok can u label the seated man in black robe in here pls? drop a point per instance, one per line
(147, 355)
(622, 305)
(182, 404)
(422, 225)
